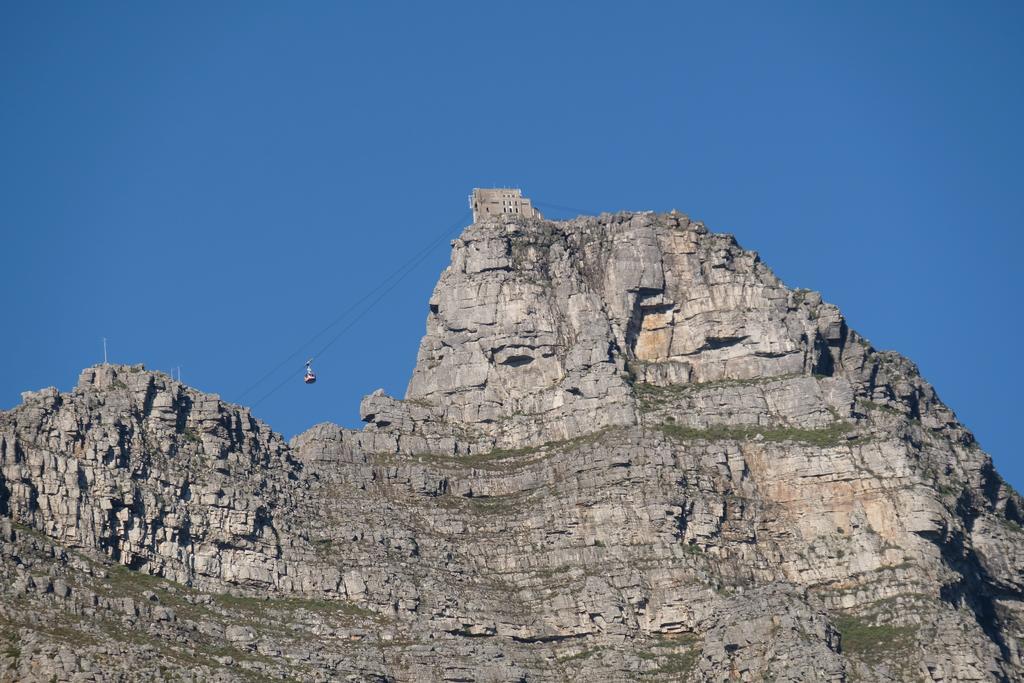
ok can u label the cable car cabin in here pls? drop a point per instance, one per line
(310, 377)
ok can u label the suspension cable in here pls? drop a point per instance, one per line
(395, 278)
(384, 288)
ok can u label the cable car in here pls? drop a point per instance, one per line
(310, 376)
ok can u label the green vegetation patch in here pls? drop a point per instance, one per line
(133, 582)
(676, 664)
(248, 603)
(501, 505)
(198, 654)
(11, 642)
(579, 656)
(833, 435)
(879, 407)
(652, 396)
(499, 459)
(873, 643)
(1010, 525)
(124, 581)
(72, 631)
(674, 639)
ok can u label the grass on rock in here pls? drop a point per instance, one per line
(833, 435)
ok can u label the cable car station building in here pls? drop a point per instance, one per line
(487, 202)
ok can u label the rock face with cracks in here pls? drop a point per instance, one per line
(627, 452)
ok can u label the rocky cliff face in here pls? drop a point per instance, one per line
(627, 452)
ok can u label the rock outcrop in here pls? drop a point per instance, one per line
(627, 452)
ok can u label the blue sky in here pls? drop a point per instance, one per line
(209, 184)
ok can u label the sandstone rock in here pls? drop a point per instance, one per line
(627, 452)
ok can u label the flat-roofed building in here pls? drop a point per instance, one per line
(495, 201)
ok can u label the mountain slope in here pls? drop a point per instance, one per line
(627, 451)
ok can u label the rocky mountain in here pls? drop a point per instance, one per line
(627, 452)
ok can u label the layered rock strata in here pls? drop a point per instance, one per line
(627, 452)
